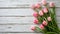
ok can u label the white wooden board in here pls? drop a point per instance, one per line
(22, 3)
(16, 20)
(20, 33)
(21, 12)
(16, 12)
(16, 28)
(20, 20)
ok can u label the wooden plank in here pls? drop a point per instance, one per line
(16, 20)
(14, 3)
(16, 28)
(23, 3)
(21, 12)
(15, 12)
(20, 33)
(19, 20)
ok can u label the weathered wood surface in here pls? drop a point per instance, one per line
(23, 3)
(16, 16)
(21, 12)
(20, 20)
(20, 33)
(16, 28)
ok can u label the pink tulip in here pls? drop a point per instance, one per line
(45, 10)
(35, 14)
(44, 2)
(44, 23)
(36, 21)
(33, 28)
(37, 5)
(41, 27)
(51, 4)
(49, 19)
(41, 13)
(33, 6)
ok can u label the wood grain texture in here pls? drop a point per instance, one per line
(16, 20)
(17, 28)
(21, 12)
(19, 20)
(20, 33)
(23, 3)
(16, 12)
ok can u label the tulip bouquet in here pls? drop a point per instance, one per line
(45, 18)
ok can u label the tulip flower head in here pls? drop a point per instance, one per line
(37, 5)
(41, 27)
(41, 13)
(44, 23)
(45, 10)
(51, 4)
(33, 6)
(36, 21)
(49, 19)
(33, 28)
(44, 2)
(35, 14)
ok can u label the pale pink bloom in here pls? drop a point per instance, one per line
(41, 27)
(37, 5)
(51, 4)
(41, 13)
(35, 14)
(33, 6)
(33, 28)
(36, 21)
(45, 10)
(44, 2)
(49, 19)
(44, 23)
